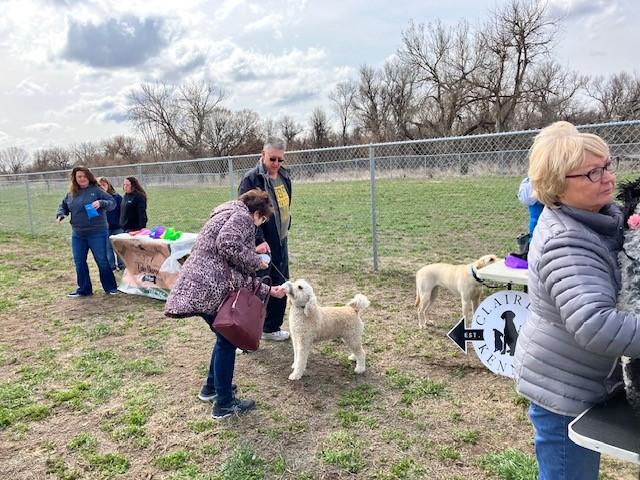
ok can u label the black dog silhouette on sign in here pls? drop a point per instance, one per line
(508, 337)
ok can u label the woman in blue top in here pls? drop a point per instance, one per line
(87, 204)
(113, 219)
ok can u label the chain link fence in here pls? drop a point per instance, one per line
(391, 205)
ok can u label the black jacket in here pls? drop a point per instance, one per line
(133, 212)
(258, 177)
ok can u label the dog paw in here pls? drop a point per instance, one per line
(352, 357)
(293, 365)
(360, 370)
(295, 376)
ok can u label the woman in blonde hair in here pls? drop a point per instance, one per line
(567, 350)
(113, 219)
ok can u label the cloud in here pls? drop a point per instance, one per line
(576, 9)
(41, 127)
(28, 87)
(295, 98)
(124, 42)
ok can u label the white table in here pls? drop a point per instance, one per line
(610, 428)
(152, 265)
(499, 272)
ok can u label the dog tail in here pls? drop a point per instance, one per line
(359, 302)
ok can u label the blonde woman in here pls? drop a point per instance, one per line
(113, 219)
(567, 350)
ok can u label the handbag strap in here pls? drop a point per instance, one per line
(256, 285)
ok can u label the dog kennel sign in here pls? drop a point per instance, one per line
(494, 330)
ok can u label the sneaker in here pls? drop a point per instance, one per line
(113, 292)
(236, 407)
(207, 395)
(279, 336)
(76, 294)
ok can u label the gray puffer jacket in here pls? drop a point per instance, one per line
(567, 349)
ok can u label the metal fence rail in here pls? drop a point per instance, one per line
(28, 201)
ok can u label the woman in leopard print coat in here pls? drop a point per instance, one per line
(224, 254)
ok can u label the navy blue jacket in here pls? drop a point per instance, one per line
(74, 205)
(113, 217)
(133, 212)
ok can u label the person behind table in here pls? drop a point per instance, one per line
(88, 233)
(529, 200)
(567, 350)
(113, 219)
(270, 176)
(133, 215)
(224, 252)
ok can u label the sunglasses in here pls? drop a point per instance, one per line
(276, 159)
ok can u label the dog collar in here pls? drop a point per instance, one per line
(475, 275)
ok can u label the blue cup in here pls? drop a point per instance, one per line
(91, 212)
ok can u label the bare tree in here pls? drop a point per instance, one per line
(372, 104)
(320, 130)
(227, 132)
(13, 160)
(178, 112)
(443, 60)
(54, 158)
(401, 91)
(516, 37)
(121, 150)
(343, 97)
(86, 153)
(618, 97)
(552, 94)
(289, 129)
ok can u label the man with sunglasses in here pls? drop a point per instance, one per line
(271, 237)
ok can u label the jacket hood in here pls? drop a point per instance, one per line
(233, 206)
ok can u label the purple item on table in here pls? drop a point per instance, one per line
(512, 261)
(156, 232)
(91, 212)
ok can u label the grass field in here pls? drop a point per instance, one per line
(105, 387)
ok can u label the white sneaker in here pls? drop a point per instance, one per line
(239, 351)
(279, 336)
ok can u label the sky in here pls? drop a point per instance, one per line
(67, 66)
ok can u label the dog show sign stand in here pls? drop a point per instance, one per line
(494, 330)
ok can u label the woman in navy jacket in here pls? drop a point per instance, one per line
(88, 203)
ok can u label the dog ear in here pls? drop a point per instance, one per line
(311, 305)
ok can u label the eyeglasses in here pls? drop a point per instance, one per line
(595, 175)
(276, 159)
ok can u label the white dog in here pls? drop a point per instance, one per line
(460, 279)
(309, 322)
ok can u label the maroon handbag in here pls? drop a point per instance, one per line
(240, 317)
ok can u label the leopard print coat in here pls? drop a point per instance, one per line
(204, 281)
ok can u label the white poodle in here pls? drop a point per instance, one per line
(309, 322)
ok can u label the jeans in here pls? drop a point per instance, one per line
(223, 362)
(112, 257)
(558, 457)
(81, 243)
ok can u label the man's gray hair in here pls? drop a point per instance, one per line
(275, 143)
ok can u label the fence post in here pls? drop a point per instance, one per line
(140, 173)
(374, 233)
(26, 183)
(232, 181)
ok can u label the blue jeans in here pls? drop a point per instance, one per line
(111, 255)
(81, 243)
(558, 457)
(223, 362)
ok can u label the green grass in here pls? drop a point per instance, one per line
(359, 398)
(172, 461)
(510, 465)
(418, 220)
(344, 450)
(243, 464)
